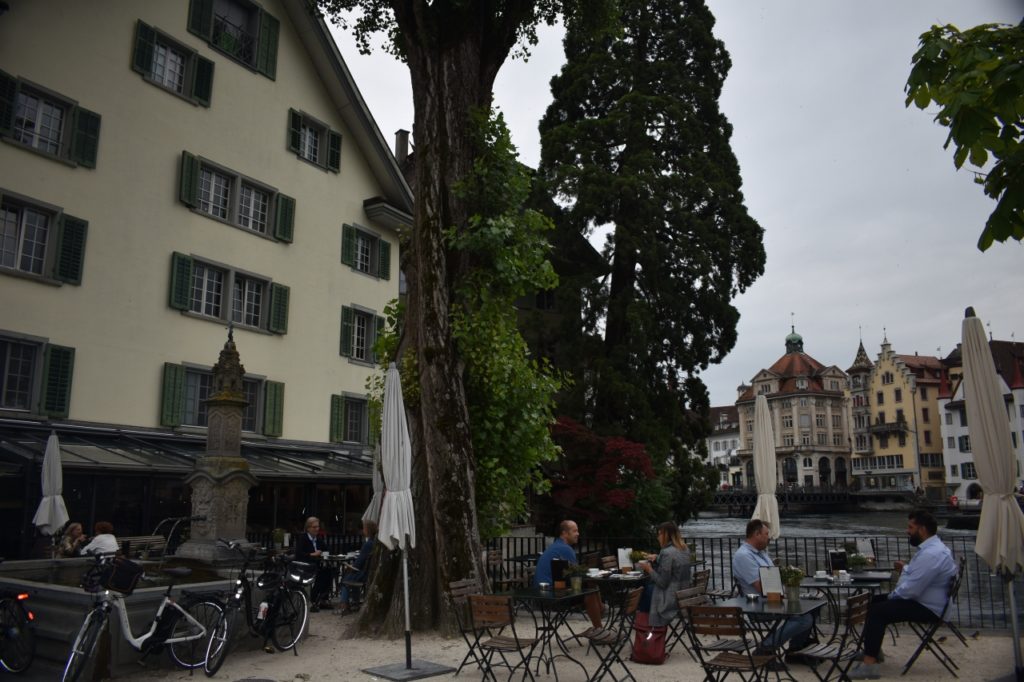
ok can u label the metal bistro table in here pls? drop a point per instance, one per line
(834, 591)
(776, 613)
(614, 587)
(553, 606)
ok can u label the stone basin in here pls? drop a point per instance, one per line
(59, 605)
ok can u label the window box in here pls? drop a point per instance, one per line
(47, 123)
(202, 287)
(170, 65)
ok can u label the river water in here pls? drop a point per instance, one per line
(871, 524)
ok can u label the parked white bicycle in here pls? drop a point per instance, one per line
(182, 626)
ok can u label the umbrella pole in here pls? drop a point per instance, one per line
(1015, 628)
(408, 634)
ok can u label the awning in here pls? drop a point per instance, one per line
(96, 449)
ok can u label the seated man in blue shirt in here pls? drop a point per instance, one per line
(920, 595)
(561, 548)
(746, 565)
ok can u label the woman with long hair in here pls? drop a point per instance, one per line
(668, 571)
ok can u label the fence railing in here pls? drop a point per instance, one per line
(981, 602)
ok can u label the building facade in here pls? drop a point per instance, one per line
(724, 441)
(168, 170)
(809, 408)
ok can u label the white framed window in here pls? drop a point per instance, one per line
(18, 361)
(787, 421)
(836, 421)
(198, 384)
(805, 439)
(365, 252)
(350, 419)
(314, 141)
(837, 439)
(821, 438)
(24, 233)
(230, 197)
(39, 121)
(950, 442)
(359, 330)
(169, 67)
(201, 287)
(819, 420)
(48, 123)
(35, 376)
(40, 240)
(967, 471)
(787, 440)
(168, 64)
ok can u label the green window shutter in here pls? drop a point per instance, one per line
(202, 83)
(181, 282)
(279, 295)
(188, 180)
(266, 48)
(58, 367)
(8, 102)
(172, 395)
(294, 131)
(337, 418)
(86, 141)
(284, 222)
(333, 151)
(378, 331)
(348, 316)
(348, 245)
(145, 43)
(383, 259)
(71, 233)
(200, 18)
(273, 409)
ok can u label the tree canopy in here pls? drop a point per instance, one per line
(977, 79)
(635, 143)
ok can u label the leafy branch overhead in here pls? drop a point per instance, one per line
(977, 79)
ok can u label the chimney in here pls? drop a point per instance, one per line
(401, 146)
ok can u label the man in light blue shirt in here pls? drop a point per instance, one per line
(746, 571)
(920, 595)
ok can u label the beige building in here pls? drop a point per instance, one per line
(810, 420)
(906, 445)
(168, 169)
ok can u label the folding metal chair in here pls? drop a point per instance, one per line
(727, 622)
(926, 631)
(843, 649)
(492, 614)
(692, 596)
(608, 642)
(459, 592)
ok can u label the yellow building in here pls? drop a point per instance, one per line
(168, 169)
(906, 452)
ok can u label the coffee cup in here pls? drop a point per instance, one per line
(325, 555)
(820, 574)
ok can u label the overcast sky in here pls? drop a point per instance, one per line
(867, 224)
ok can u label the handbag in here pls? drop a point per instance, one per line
(648, 641)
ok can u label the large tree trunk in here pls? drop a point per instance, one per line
(453, 61)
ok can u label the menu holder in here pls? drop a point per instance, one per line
(771, 583)
(837, 560)
(625, 563)
(558, 567)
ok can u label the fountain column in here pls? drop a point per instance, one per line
(221, 480)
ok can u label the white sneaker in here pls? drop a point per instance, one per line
(865, 671)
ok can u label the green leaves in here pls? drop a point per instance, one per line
(977, 79)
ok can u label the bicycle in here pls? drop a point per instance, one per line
(280, 618)
(17, 638)
(182, 626)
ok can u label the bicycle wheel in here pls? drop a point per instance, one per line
(290, 620)
(220, 641)
(17, 639)
(191, 652)
(85, 643)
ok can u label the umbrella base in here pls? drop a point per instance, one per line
(418, 671)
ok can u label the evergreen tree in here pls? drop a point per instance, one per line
(635, 142)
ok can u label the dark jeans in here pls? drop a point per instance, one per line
(883, 612)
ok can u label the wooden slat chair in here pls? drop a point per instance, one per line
(501, 579)
(591, 559)
(733, 591)
(142, 545)
(685, 598)
(609, 641)
(459, 592)
(926, 631)
(720, 622)
(494, 632)
(609, 563)
(701, 579)
(842, 650)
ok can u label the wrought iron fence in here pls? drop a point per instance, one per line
(981, 602)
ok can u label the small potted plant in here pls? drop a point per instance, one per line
(791, 577)
(636, 556)
(856, 562)
(574, 574)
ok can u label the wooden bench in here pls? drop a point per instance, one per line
(142, 544)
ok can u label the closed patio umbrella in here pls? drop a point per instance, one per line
(51, 514)
(372, 512)
(1000, 539)
(765, 472)
(397, 528)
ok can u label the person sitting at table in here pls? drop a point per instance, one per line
(562, 548)
(103, 540)
(669, 571)
(746, 571)
(920, 594)
(309, 548)
(72, 540)
(358, 570)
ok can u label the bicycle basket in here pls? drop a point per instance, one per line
(301, 573)
(121, 575)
